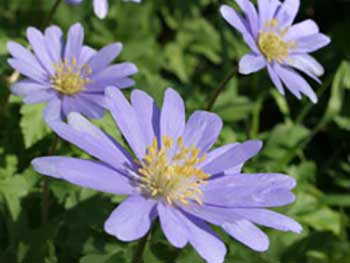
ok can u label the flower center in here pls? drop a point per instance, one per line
(172, 173)
(70, 78)
(272, 44)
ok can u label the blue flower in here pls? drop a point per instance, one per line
(173, 174)
(70, 73)
(277, 44)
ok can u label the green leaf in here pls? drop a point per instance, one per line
(231, 106)
(277, 145)
(310, 210)
(42, 247)
(342, 200)
(103, 258)
(9, 189)
(32, 124)
(10, 166)
(160, 252)
(238, 108)
(337, 94)
(14, 187)
(317, 247)
(305, 172)
(189, 255)
(323, 219)
(196, 38)
(343, 122)
(178, 62)
(51, 258)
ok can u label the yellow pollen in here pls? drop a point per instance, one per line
(272, 44)
(171, 172)
(69, 77)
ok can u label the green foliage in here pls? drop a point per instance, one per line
(32, 124)
(340, 83)
(186, 45)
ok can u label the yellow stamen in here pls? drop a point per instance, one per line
(70, 78)
(172, 174)
(272, 44)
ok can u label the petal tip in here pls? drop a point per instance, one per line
(328, 40)
(119, 45)
(314, 100)
(134, 69)
(31, 30)
(42, 165)
(35, 162)
(298, 229)
(10, 45)
(77, 25)
(256, 145)
(224, 9)
(171, 91)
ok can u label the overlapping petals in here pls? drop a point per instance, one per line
(277, 44)
(69, 72)
(229, 199)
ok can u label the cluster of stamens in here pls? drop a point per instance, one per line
(272, 44)
(69, 77)
(171, 172)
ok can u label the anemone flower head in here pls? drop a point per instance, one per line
(277, 44)
(174, 175)
(100, 6)
(70, 72)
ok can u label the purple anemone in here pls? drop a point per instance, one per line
(173, 174)
(100, 6)
(278, 45)
(70, 72)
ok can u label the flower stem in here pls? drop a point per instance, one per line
(5, 102)
(220, 88)
(141, 245)
(45, 194)
(254, 129)
(52, 12)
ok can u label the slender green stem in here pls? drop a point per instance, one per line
(140, 248)
(300, 118)
(220, 88)
(52, 12)
(282, 104)
(254, 130)
(5, 102)
(45, 194)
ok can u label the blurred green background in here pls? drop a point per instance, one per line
(184, 44)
